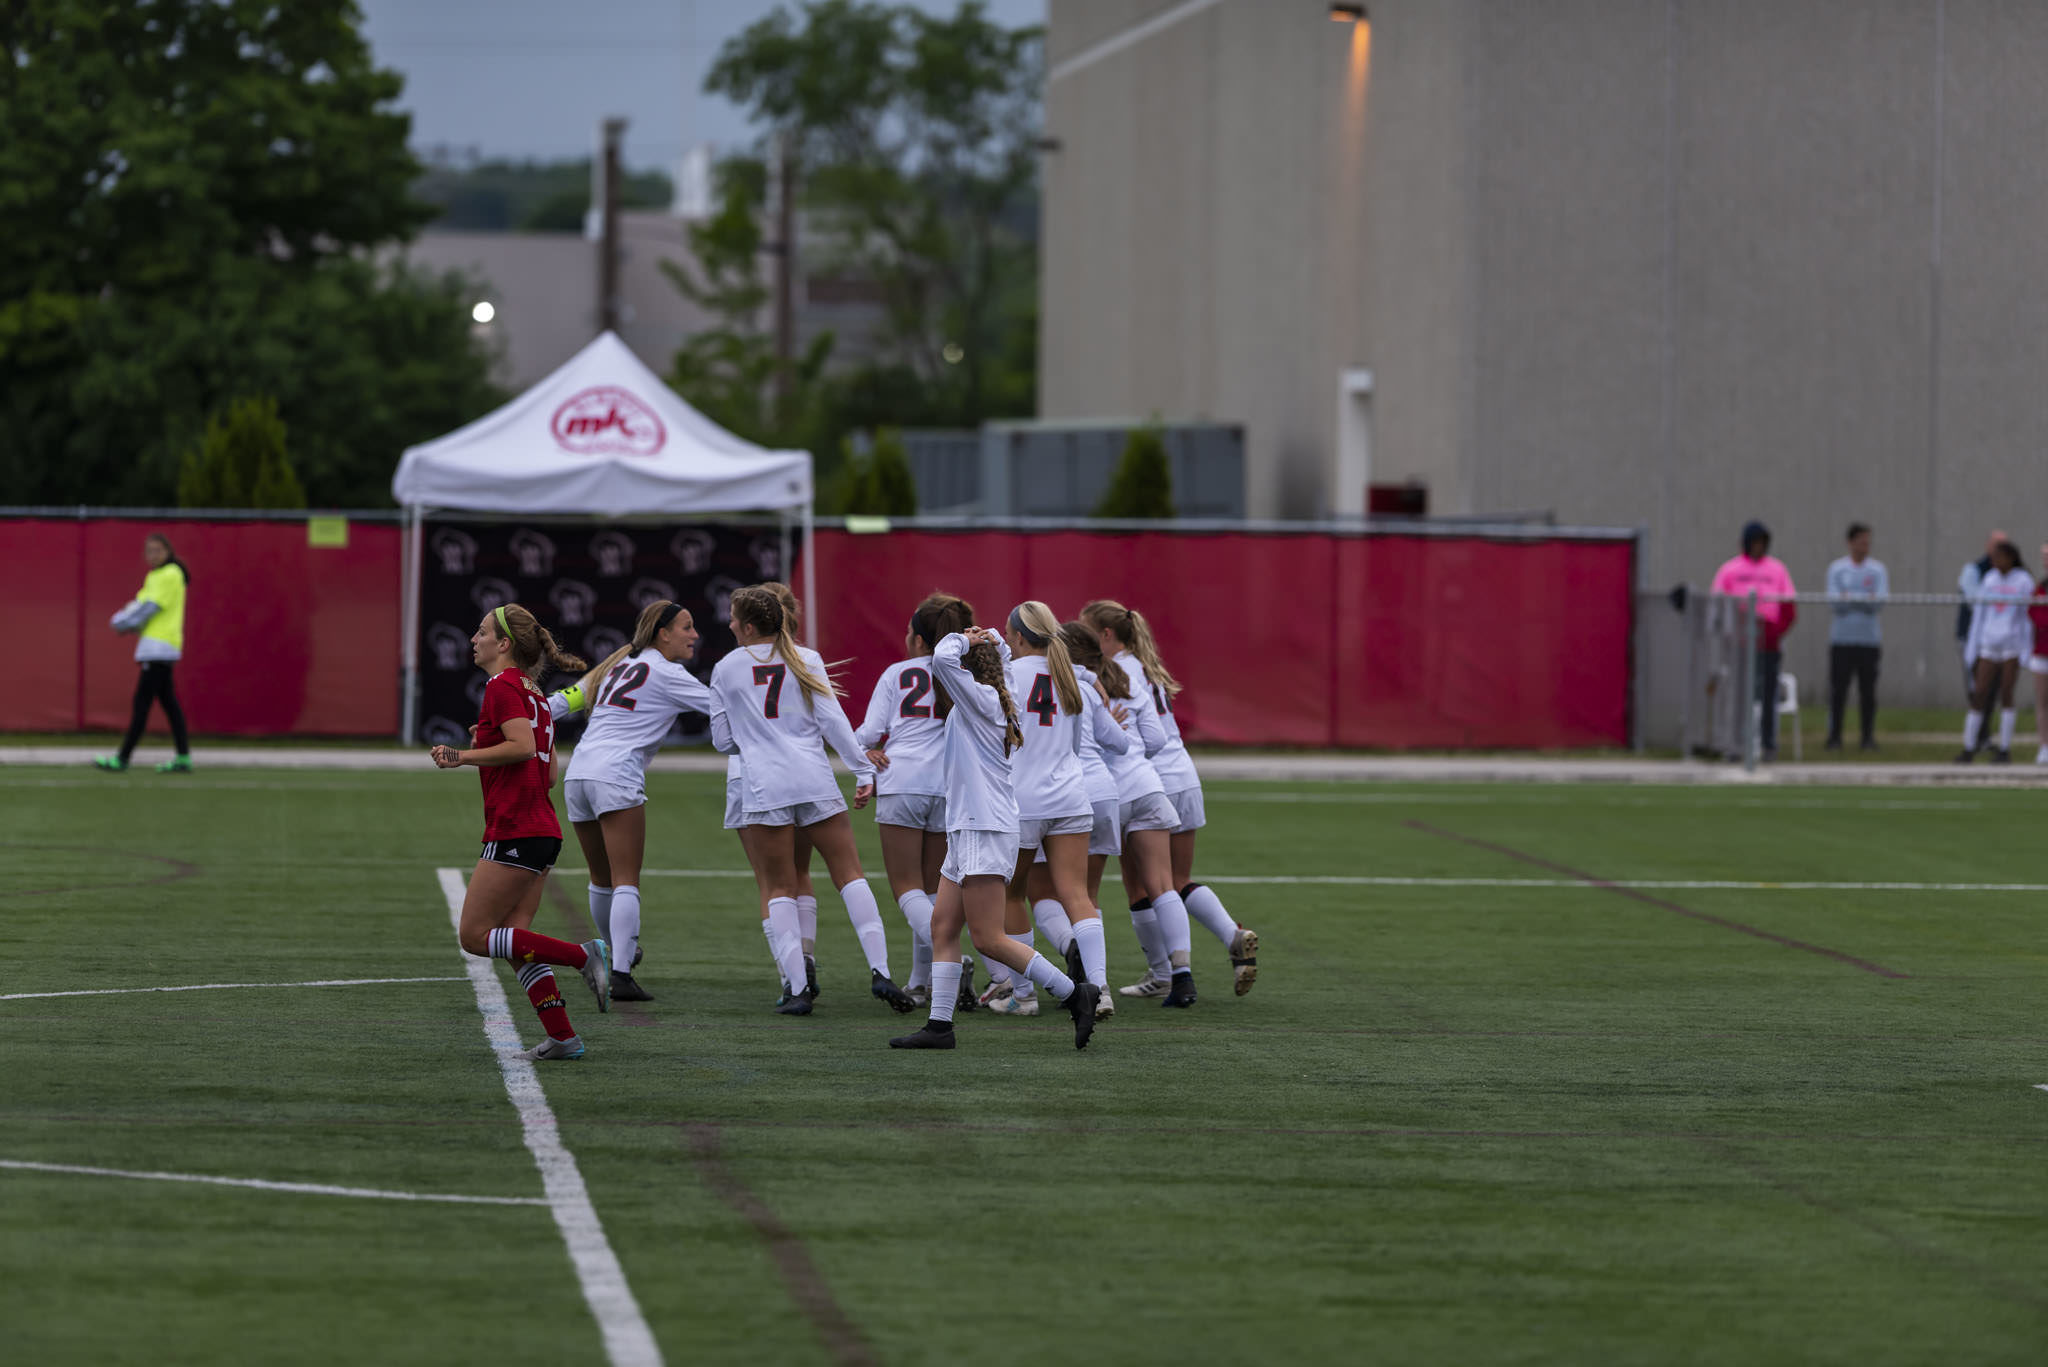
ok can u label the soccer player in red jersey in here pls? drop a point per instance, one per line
(514, 754)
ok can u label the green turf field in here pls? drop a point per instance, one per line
(1496, 1114)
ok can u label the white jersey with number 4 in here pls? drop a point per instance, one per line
(905, 710)
(633, 708)
(1046, 770)
(781, 732)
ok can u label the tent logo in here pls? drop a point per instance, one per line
(608, 420)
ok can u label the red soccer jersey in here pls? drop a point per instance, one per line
(516, 797)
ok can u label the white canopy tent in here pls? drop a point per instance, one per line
(601, 437)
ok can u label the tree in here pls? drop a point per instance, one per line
(242, 462)
(191, 192)
(1142, 485)
(879, 483)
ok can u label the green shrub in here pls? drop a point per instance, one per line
(241, 462)
(1143, 483)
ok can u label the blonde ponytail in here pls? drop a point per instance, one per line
(645, 629)
(1132, 631)
(761, 608)
(1035, 622)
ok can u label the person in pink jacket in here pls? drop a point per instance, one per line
(1756, 569)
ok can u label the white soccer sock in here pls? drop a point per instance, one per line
(626, 925)
(807, 922)
(867, 924)
(774, 947)
(1052, 919)
(917, 909)
(945, 989)
(1973, 729)
(1094, 950)
(1041, 971)
(1145, 925)
(1174, 931)
(2007, 719)
(601, 910)
(1206, 907)
(1023, 938)
(789, 946)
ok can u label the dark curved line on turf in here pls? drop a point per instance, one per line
(800, 1275)
(1663, 904)
(180, 869)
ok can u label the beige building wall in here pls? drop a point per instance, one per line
(1661, 263)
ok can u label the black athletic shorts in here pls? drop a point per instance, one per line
(534, 853)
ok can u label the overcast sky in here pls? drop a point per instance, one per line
(532, 78)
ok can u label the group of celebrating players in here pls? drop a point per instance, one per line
(1006, 768)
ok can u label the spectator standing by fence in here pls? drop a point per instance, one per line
(1757, 571)
(157, 617)
(1858, 586)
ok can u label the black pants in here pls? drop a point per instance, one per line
(1767, 662)
(1860, 664)
(154, 686)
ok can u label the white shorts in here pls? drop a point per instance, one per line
(1151, 812)
(971, 854)
(918, 811)
(2038, 663)
(735, 814)
(1187, 805)
(1105, 836)
(1998, 655)
(1032, 831)
(796, 814)
(587, 799)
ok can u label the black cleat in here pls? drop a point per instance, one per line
(1080, 1004)
(1965, 755)
(810, 977)
(2001, 756)
(1074, 969)
(885, 990)
(624, 989)
(935, 1035)
(1183, 991)
(798, 1005)
(968, 1001)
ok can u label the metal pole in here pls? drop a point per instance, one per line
(810, 581)
(1692, 674)
(608, 245)
(1749, 700)
(409, 619)
(785, 268)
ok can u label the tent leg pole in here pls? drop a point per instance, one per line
(810, 581)
(409, 623)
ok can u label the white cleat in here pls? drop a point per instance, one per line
(551, 1048)
(1010, 1004)
(2041, 755)
(1105, 1004)
(1244, 958)
(597, 972)
(1151, 987)
(995, 992)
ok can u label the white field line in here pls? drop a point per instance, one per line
(256, 1184)
(1343, 880)
(628, 1342)
(1547, 799)
(2041, 1086)
(216, 987)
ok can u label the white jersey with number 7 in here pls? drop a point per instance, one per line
(760, 711)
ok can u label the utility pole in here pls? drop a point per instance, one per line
(608, 235)
(785, 268)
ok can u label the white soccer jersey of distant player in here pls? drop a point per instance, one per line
(781, 733)
(1045, 771)
(1176, 768)
(2000, 622)
(979, 793)
(633, 708)
(1133, 771)
(1099, 733)
(905, 709)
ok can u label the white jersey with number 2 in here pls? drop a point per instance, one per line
(905, 709)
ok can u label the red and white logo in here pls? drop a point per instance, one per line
(608, 420)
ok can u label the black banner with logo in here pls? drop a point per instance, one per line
(586, 584)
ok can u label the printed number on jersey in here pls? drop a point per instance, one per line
(1041, 700)
(543, 729)
(772, 676)
(622, 684)
(917, 686)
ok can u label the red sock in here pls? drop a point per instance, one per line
(525, 947)
(547, 1001)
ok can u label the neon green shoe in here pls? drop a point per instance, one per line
(177, 764)
(113, 764)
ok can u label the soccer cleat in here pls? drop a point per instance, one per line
(810, 977)
(994, 993)
(1105, 1004)
(967, 1001)
(1010, 1004)
(935, 1035)
(882, 989)
(2041, 755)
(1080, 1004)
(597, 971)
(638, 955)
(556, 1049)
(1965, 755)
(2001, 756)
(624, 989)
(1244, 958)
(1183, 991)
(113, 764)
(1075, 968)
(176, 764)
(1151, 987)
(798, 1005)
(920, 994)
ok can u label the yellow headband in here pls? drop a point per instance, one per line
(504, 627)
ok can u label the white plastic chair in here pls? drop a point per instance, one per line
(1787, 705)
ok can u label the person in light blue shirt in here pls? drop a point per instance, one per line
(1857, 588)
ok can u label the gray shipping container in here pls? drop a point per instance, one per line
(1061, 469)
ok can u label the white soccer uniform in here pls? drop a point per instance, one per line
(1999, 628)
(1141, 797)
(912, 790)
(1176, 767)
(635, 705)
(1050, 784)
(981, 803)
(759, 710)
(1100, 734)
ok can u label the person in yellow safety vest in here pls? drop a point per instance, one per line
(157, 617)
